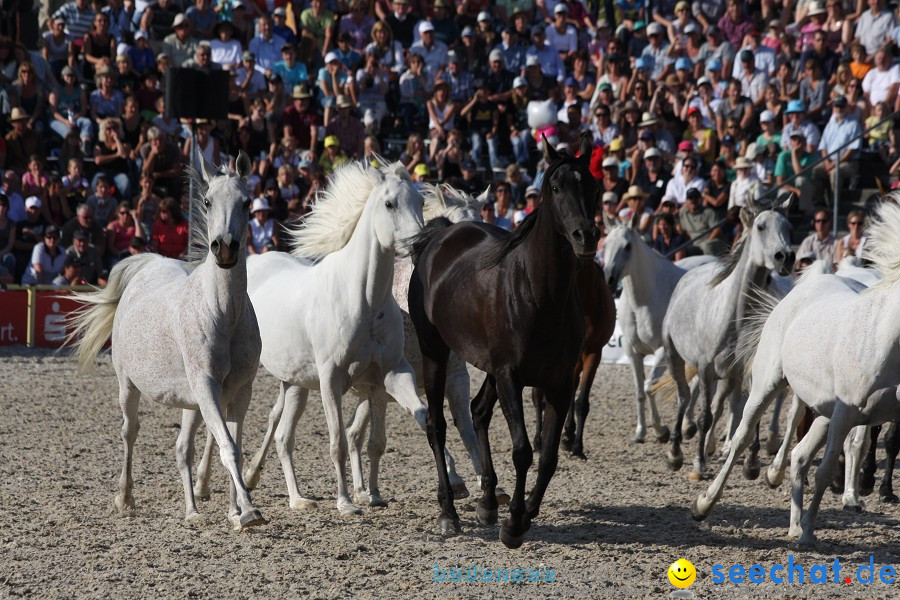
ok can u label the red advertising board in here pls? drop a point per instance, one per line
(51, 312)
(13, 318)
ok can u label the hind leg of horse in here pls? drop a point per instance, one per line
(251, 475)
(356, 434)
(582, 403)
(644, 390)
(736, 403)
(184, 458)
(675, 459)
(717, 406)
(761, 396)
(377, 444)
(707, 379)
(856, 447)
(204, 469)
(456, 391)
(869, 466)
(482, 410)
(234, 418)
(843, 419)
(773, 440)
(801, 460)
(129, 398)
(400, 383)
(537, 399)
(332, 384)
(293, 403)
(891, 447)
(568, 434)
(774, 475)
(509, 389)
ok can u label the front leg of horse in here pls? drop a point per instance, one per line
(184, 459)
(236, 413)
(482, 411)
(208, 393)
(867, 477)
(356, 433)
(891, 447)
(582, 405)
(855, 448)
(332, 386)
(644, 395)
(537, 399)
(377, 444)
(801, 460)
(775, 473)
(129, 398)
(251, 475)
(509, 389)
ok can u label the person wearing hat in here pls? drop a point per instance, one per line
(68, 108)
(333, 80)
(657, 51)
(694, 220)
(280, 27)
(841, 129)
(753, 81)
(179, 45)
(347, 128)
(92, 269)
(302, 120)
(609, 203)
(747, 187)
(611, 181)
(22, 142)
(512, 50)
(460, 79)
(796, 112)
(484, 125)
(551, 63)
(560, 34)
(225, 49)
(421, 173)
(717, 52)
(471, 181)
(262, 228)
(71, 273)
(650, 175)
(349, 57)
(28, 231)
(433, 51)
(47, 259)
(250, 81)
(334, 156)
(635, 210)
(664, 140)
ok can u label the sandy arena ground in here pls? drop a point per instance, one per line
(609, 527)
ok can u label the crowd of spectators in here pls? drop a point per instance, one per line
(694, 108)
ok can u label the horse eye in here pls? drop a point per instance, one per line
(555, 190)
(761, 227)
(207, 203)
(628, 247)
(388, 204)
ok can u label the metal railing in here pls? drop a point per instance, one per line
(773, 191)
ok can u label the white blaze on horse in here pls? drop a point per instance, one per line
(837, 345)
(185, 335)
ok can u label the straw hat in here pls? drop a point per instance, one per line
(742, 163)
(635, 192)
(17, 115)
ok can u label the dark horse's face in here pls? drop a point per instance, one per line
(570, 193)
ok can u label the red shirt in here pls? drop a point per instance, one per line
(171, 238)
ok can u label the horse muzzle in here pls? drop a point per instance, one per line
(584, 242)
(226, 255)
(786, 260)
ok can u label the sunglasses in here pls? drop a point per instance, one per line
(690, 165)
(855, 223)
(821, 220)
(123, 212)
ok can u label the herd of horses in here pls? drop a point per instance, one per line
(392, 289)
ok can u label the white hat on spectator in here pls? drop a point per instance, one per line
(742, 163)
(609, 161)
(331, 57)
(816, 8)
(654, 29)
(484, 16)
(610, 198)
(652, 153)
(560, 8)
(752, 151)
(496, 54)
(260, 204)
(532, 60)
(122, 48)
(532, 190)
(140, 35)
(179, 20)
(766, 116)
(425, 26)
(33, 202)
(519, 82)
(280, 12)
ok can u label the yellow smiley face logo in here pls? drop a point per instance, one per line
(682, 573)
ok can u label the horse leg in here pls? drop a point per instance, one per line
(801, 459)
(332, 385)
(129, 398)
(867, 477)
(707, 379)
(582, 403)
(760, 396)
(482, 411)
(568, 435)
(775, 473)
(718, 405)
(644, 390)
(400, 383)
(356, 433)
(690, 426)
(675, 458)
(293, 402)
(772, 440)
(204, 469)
(234, 418)
(891, 447)
(251, 475)
(509, 389)
(184, 458)
(457, 394)
(843, 419)
(377, 443)
(855, 447)
(537, 399)
(208, 396)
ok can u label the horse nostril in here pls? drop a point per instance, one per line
(234, 246)
(578, 236)
(214, 246)
(779, 256)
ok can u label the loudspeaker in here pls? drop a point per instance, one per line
(194, 94)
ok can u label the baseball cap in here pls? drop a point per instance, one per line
(537, 30)
(421, 170)
(683, 63)
(616, 145)
(610, 162)
(247, 55)
(332, 140)
(560, 8)
(766, 116)
(331, 57)
(532, 61)
(280, 12)
(469, 165)
(484, 16)
(642, 63)
(425, 27)
(795, 106)
(610, 198)
(685, 146)
(570, 81)
(496, 54)
(78, 234)
(714, 65)
(647, 135)
(746, 56)
(532, 191)
(140, 35)
(692, 194)
(654, 29)
(180, 20)
(840, 102)
(691, 28)
(652, 153)
(468, 32)
(33, 202)
(519, 82)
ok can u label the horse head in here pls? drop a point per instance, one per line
(225, 211)
(569, 191)
(617, 252)
(396, 209)
(769, 234)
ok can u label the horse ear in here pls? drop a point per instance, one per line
(243, 165)
(635, 221)
(206, 171)
(587, 145)
(550, 152)
(483, 198)
(747, 216)
(784, 201)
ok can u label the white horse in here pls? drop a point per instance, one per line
(702, 324)
(333, 325)
(648, 280)
(838, 346)
(440, 201)
(185, 335)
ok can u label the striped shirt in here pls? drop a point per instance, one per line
(78, 22)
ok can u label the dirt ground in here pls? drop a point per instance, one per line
(609, 527)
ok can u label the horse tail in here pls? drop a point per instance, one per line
(417, 243)
(93, 322)
(750, 327)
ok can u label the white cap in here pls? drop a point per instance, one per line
(331, 56)
(560, 7)
(766, 116)
(496, 54)
(610, 197)
(122, 48)
(140, 35)
(260, 204)
(179, 20)
(519, 82)
(518, 217)
(654, 28)
(651, 152)
(425, 26)
(532, 60)
(609, 161)
(33, 202)
(484, 16)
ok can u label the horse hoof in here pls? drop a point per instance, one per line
(566, 443)
(689, 430)
(124, 505)
(637, 439)
(794, 531)
(502, 496)
(769, 483)
(578, 454)
(772, 446)
(486, 516)
(251, 518)
(460, 491)
(674, 462)
(662, 435)
(852, 508)
(193, 517)
(449, 526)
(536, 444)
(807, 541)
(348, 508)
(890, 499)
(695, 476)
(750, 471)
(696, 513)
(304, 504)
(508, 539)
(361, 497)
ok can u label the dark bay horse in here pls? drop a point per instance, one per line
(599, 325)
(506, 303)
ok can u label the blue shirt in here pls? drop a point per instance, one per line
(267, 52)
(837, 134)
(513, 57)
(291, 76)
(551, 64)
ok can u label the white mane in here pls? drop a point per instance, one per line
(883, 246)
(338, 209)
(441, 199)
(198, 238)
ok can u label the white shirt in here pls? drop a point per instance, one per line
(562, 42)
(226, 53)
(763, 60)
(50, 266)
(877, 83)
(678, 189)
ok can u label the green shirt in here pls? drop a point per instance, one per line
(317, 25)
(784, 167)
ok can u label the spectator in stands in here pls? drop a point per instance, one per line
(84, 221)
(99, 46)
(820, 243)
(106, 101)
(102, 202)
(180, 46)
(7, 241)
(667, 237)
(874, 27)
(161, 160)
(793, 161)
(78, 16)
(433, 51)
(68, 108)
(169, 235)
(280, 27)
(225, 50)
(302, 121)
(333, 156)
(71, 273)
(203, 18)
(263, 230)
(882, 82)
(22, 142)
(348, 129)
(373, 83)
(112, 155)
(47, 259)
(747, 187)
(291, 72)
(840, 133)
(318, 29)
(854, 242)
(797, 122)
(266, 46)
(695, 221)
(158, 20)
(690, 179)
(92, 269)
(357, 24)
(250, 81)
(121, 230)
